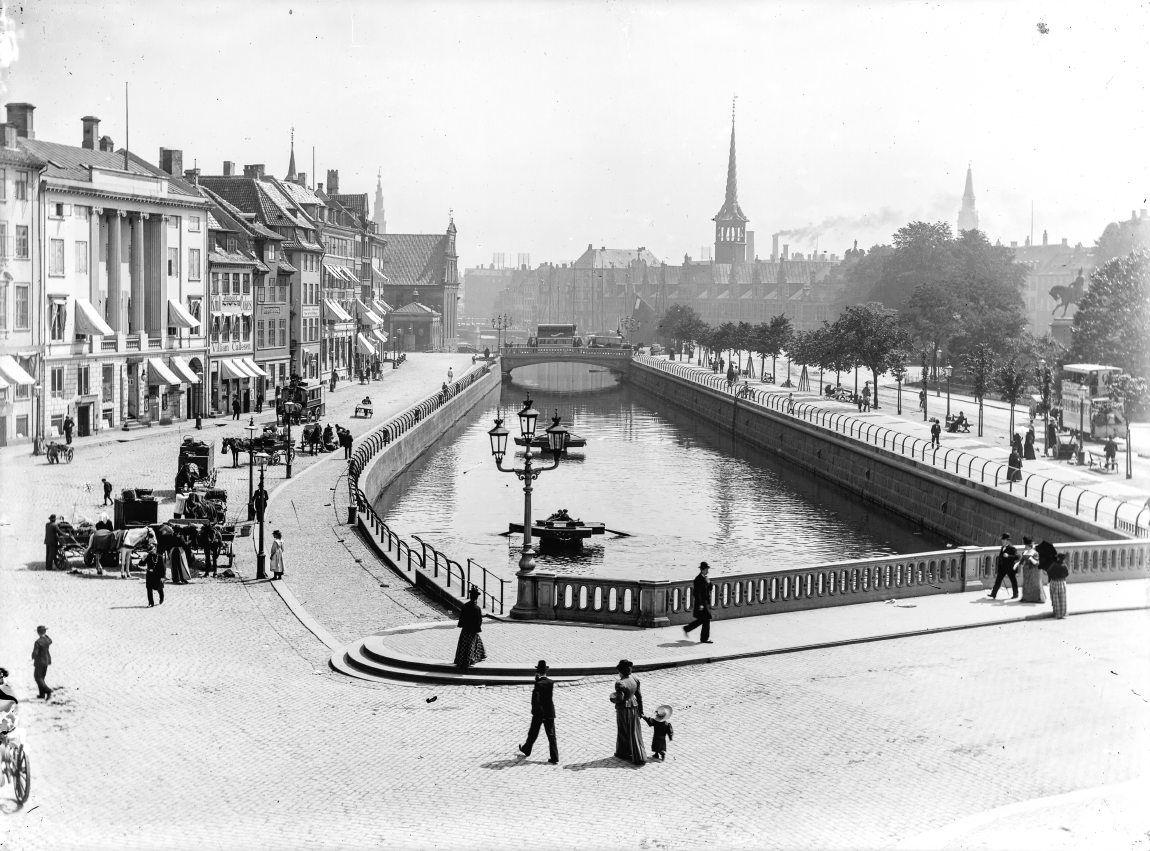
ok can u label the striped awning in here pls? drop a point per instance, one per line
(89, 321)
(233, 369)
(179, 316)
(254, 368)
(332, 312)
(379, 335)
(13, 373)
(366, 315)
(158, 373)
(364, 345)
(184, 370)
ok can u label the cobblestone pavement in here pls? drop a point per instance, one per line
(214, 721)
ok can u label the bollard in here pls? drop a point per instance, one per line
(351, 515)
(199, 422)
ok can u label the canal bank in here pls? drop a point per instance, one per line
(961, 510)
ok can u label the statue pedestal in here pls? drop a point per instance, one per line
(1060, 329)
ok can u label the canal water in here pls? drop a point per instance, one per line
(682, 491)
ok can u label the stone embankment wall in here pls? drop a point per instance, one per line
(966, 512)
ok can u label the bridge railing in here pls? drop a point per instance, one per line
(657, 603)
(1122, 515)
(570, 351)
(423, 557)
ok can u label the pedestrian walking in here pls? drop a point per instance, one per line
(1016, 443)
(1014, 467)
(542, 713)
(661, 732)
(210, 542)
(935, 432)
(277, 555)
(1028, 447)
(1054, 564)
(1051, 438)
(450, 374)
(154, 578)
(51, 542)
(41, 659)
(1032, 577)
(331, 384)
(69, 426)
(469, 649)
(922, 400)
(1110, 451)
(107, 491)
(236, 406)
(701, 605)
(866, 394)
(260, 403)
(1004, 567)
(344, 440)
(628, 700)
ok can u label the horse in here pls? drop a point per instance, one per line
(235, 445)
(1068, 295)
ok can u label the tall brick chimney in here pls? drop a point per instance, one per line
(20, 116)
(301, 178)
(229, 168)
(107, 145)
(172, 161)
(91, 136)
(255, 170)
(332, 181)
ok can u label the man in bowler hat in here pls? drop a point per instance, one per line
(701, 595)
(542, 713)
(1004, 567)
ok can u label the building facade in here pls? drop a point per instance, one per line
(423, 270)
(122, 287)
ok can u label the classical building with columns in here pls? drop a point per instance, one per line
(121, 288)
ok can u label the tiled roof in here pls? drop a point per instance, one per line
(356, 203)
(216, 224)
(247, 220)
(415, 259)
(297, 245)
(298, 194)
(284, 266)
(605, 258)
(415, 309)
(68, 162)
(230, 258)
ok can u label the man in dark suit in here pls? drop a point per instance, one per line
(702, 605)
(542, 713)
(51, 542)
(1004, 567)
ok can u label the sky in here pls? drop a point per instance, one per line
(544, 127)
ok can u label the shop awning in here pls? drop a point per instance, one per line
(158, 373)
(379, 335)
(332, 312)
(380, 307)
(349, 275)
(89, 321)
(256, 370)
(233, 370)
(14, 373)
(366, 315)
(184, 370)
(179, 316)
(4, 385)
(365, 346)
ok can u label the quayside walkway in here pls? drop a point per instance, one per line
(424, 652)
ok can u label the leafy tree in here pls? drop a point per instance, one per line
(980, 368)
(1011, 380)
(725, 338)
(1112, 325)
(921, 255)
(1133, 394)
(744, 332)
(676, 327)
(1122, 238)
(872, 335)
(898, 361)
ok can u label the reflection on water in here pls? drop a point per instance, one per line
(683, 490)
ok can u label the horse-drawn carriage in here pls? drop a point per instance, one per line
(273, 442)
(307, 400)
(57, 452)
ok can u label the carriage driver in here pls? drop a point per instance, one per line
(8, 703)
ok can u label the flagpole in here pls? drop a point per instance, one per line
(126, 129)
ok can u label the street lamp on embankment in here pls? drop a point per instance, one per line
(527, 605)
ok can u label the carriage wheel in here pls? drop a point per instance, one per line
(22, 775)
(68, 453)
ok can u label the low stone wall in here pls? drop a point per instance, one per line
(965, 511)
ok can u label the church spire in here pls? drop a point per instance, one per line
(967, 214)
(730, 222)
(378, 218)
(291, 173)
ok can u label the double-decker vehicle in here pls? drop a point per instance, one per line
(552, 336)
(607, 340)
(1086, 401)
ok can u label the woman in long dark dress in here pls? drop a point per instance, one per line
(1028, 449)
(470, 648)
(628, 702)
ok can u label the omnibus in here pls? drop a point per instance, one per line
(551, 336)
(608, 340)
(1086, 400)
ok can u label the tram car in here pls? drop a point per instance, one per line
(1086, 402)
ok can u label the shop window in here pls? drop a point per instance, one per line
(22, 425)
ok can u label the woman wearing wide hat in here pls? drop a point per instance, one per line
(628, 702)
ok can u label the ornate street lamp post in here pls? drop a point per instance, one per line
(925, 373)
(251, 430)
(260, 502)
(500, 323)
(1044, 378)
(947, 371)
(899, 373)
(290, 410)
(556, 442)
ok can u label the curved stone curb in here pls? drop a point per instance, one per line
(516, 673)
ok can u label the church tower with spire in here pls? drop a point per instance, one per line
(291, 172)
(730, 223)
(378, 217)
(967, 215)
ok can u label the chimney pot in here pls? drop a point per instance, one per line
(255, 170)
(301, 178)
(319, 187)
(107, 145)
(332, 181)
(20, 116)
(172, 161)
(229, 168)
(91, 135)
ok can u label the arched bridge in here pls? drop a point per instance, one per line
(617, 360)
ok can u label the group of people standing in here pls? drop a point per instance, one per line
(1039, 564)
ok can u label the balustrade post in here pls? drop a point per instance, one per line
(536, 596)
(653, 604)
(971, 559)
